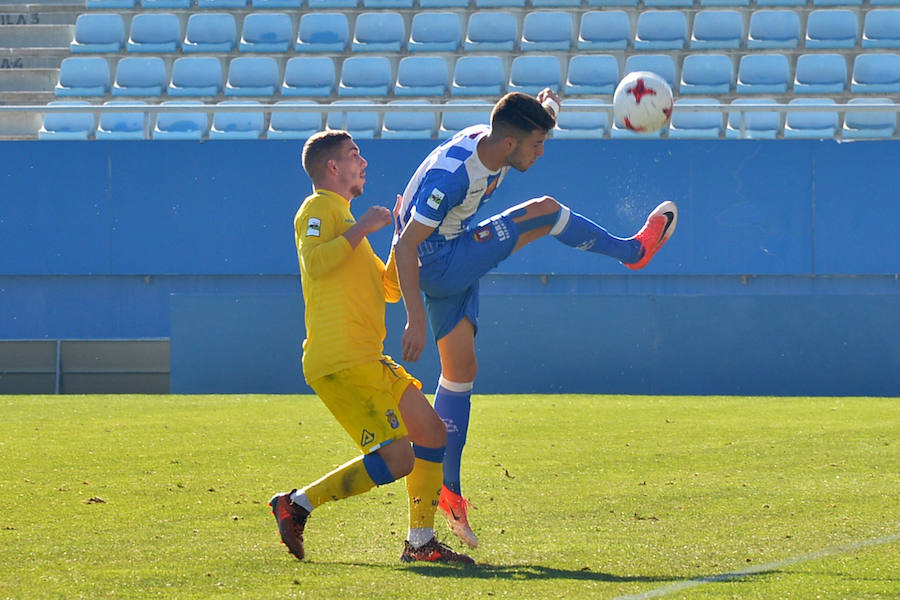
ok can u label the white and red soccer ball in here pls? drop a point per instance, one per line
(642, 102)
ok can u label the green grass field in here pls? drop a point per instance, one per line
(577, 497)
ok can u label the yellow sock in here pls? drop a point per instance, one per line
(350, 479)
(423, 486)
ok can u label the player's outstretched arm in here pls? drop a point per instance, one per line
(413, 340)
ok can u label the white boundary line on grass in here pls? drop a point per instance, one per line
(833, 551)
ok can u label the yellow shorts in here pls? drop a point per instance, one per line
(365, 401)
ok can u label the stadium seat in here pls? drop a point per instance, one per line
(365, 76)
(773, 29)
(221, 4)
(556, 3)
(443, 3)
(237, 125)
(276, 4)
(422, 76)
(661, 64)
(83, 76)
(154, 33)
(876, 74)
(835, 29)
(382, 32)
(865, 124)
(332, 4)
(530, 74)
(781, 2)
(577, 124)
(547, 31)
(123, 126)
(435, 32)
(65, 125)
(820, 74)
(763, 74)
(491, 31)
(811, 125)
(381, 4)
(706, 74)
(884, 2)
(691, 124)
(408, 125)
(181, 125)
(668, 3)
(753, 125)
(98, 33)
(360, 124)
(176, 4)
(717, 30)
(660, 30)
(881, 28)
(520, 4)
(309, 76)
(140, 76)
(252, 76)
(604, 30)
(196, 76)
(210, 32)
(266, 32)
(109, 4)
(592, 74)
(729, 3)
(838, 3)
(294, 125)
(606, 3)
(479, 76)
(451, 121)
(323, 32)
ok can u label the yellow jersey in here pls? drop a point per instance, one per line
(344, 288)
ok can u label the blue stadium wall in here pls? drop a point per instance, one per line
(782, 277)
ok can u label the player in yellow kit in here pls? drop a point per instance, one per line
(381, 406)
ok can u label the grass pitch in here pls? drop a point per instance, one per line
(577, 497)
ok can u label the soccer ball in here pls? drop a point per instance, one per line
(642, 102)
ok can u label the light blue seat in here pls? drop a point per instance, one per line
(820, 74)
(109, 4)
(555, 3)
(706, 74)
(294, 125)
(266, 32)
(729, 3)
(98, 32)
(210, 32)
(181, 125)
(592, 74)
(547, 31)
(811, 125)
(838, 3)
(422, 76)
(140, 76)
(499, 3)
(763, 74)
(309, 76)
(196, 76)
(660, 30)
(781, 2)
(876, 74)
(332, 4)
(382, 31)
(832, 29)
(237, 125)
(83, 76)
(479, 76)
(444, 3)
(221, 4)
(124, 125)
(360, 123)
(252, 76)
(717, 30)
(451, 122)
(695, 124)
(154, 33)
(884, 2)
(491, 31)
(176, 4)
(530, 74)
(773, 28)
(365, 76)
(753, 125)
(276, 4)
(606, 3)
(65, 125)
(380, 4)
(408, 125)
(435, 32)
(865, 124)
(571, 124)
(604, 30)
(668, 3)
(881, 29)
(323, 32)
(661, 64)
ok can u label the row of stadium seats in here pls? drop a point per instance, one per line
(498, 31)
(426, 4)
(407, 125)
(483, 75)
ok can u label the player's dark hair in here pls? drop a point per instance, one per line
(319, 149)
(520, 113)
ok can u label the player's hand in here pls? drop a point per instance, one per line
(413, 341)
(549, 97)
(374, 219)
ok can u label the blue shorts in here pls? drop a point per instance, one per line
(450, 277)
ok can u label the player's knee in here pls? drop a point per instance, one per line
(546, 205)
(399, 458)
(436, 433)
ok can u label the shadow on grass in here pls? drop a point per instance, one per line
(526, 573)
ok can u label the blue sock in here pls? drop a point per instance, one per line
(580, 232)
(452, 404)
